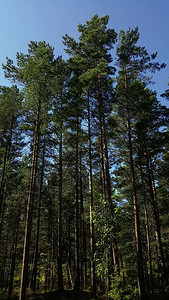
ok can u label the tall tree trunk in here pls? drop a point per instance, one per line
(5, 164)
(146, 224)
(83, 232)
(14, 247)
(4, 261)
(52, 254)
(102, 171)
(35, 260)
(141, 283)
(154, 205)
(2, 138)
(92, 243)
(24, 275)
(109, 193)
(70, 279)
(77, 270)
(59, 241)
(3, 212)
(106, 277)
(114, 252)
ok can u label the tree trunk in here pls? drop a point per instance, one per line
(83, 233)
(5, 164)
(35, 260)
(92, 243)
(146, 225)
(107, 285)
(70, 279)
(59, 241)
(3, 212)
(14, 247)
(24, 275)
(141, 283)
(77, 270)
(107, 182)
(154, 205)
(4, 261)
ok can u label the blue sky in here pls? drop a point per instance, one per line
(25, 20)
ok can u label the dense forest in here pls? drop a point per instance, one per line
(84, 184)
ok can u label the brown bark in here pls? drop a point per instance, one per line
(35, 260)
(5, 165)
(106, 182)
(102, 171)
(92, 244)
(24, 275)
(52, 255)
(13, 255)
(3, 212)
(3, 277)
(77, 270)
(141, 283)
(83, 233)
(146, 225)
(154, 205)
(59, 241)
(70, 279)
(50, 246)
(106, 279)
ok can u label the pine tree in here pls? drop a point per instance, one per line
(32, 70)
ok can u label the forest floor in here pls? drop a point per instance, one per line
(68, 295)
(56, 295)
(81, 295)
(65, 295)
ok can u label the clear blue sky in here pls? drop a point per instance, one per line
(25, 20)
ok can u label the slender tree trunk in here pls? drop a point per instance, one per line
(35, 260)
(59, 241)
(4, 260)
(106, 278)
(14, 247)
(154, 205)
(24, 275)
(70, 279)
(50, 249)
(5, 164)
(114, 252)
(3, 212)
(83, 232)
(92, 243)
(141, 283)
(146, 225)
(52, 255)
(148, 246)
(77, 270)
(103, 182)
(102, 171)
(2, 138)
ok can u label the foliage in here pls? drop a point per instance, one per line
(100, 138)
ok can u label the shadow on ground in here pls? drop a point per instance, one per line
(65, 295)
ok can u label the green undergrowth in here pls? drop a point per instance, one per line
(68, 295)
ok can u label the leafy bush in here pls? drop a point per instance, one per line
(119, 291)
